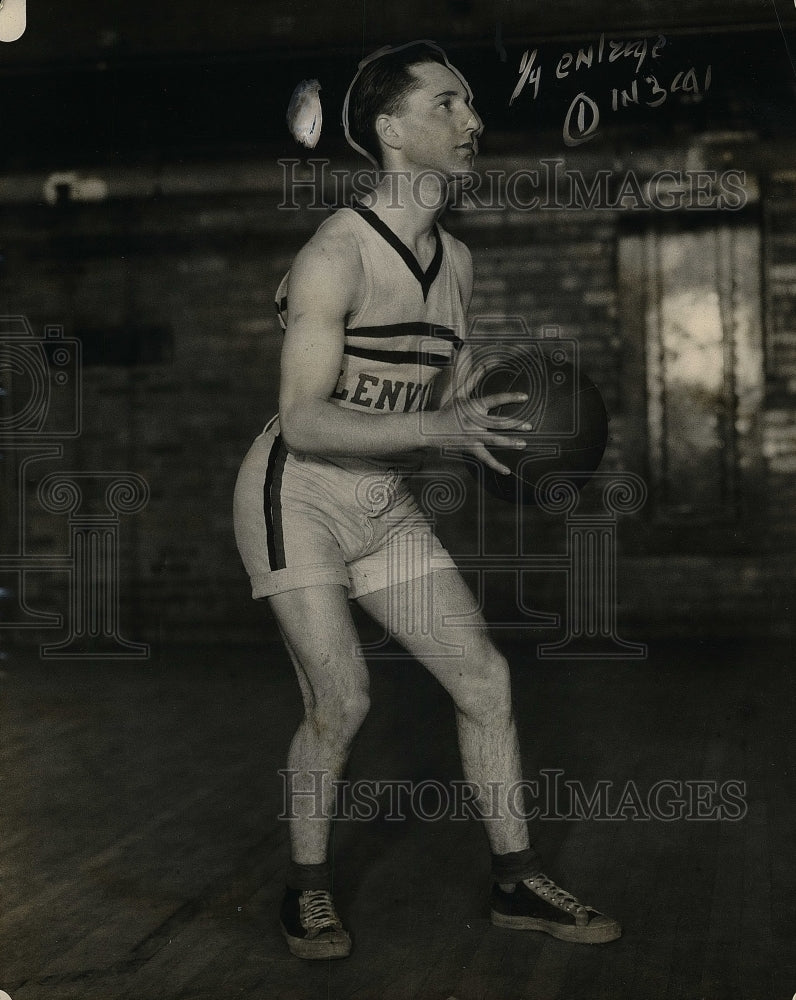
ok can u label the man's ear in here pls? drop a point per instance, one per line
(388, 132)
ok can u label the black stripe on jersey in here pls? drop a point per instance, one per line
(399, 357)
(426, 278)
(272, 504)
(425, 330)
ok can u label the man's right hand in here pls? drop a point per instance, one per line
(465, 423)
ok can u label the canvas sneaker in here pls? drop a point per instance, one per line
(311, 925)
(538, 904)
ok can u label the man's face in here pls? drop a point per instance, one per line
(438, 126)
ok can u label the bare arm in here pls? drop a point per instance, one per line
(323, 284)
(324, 280)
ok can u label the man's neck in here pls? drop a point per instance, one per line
(409, 204)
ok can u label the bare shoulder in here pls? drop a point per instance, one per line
(328, 270)
(333, 247)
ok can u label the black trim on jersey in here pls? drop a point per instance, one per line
(426, 278)
(272, 504)
(281, 308)
(427, 330)
(399, 357)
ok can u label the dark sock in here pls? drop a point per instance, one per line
(515, 866)
(302, 877)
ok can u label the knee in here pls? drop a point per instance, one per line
(337, 717)
(484, 692)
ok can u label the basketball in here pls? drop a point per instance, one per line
(565, 409)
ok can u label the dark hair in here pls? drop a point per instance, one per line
(380, 87)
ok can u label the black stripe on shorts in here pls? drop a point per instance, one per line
(272, 504)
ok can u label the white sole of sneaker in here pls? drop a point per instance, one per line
(599, 934)
(337, 945)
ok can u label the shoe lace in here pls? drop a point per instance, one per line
(317, 910)
(559, 897)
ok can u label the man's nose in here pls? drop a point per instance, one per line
(474, 124)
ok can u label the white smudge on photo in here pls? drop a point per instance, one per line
(304, 117)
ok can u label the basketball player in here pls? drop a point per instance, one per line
(375, 305)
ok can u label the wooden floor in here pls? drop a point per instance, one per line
(141, 857)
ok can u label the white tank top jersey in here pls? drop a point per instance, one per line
(407, 329)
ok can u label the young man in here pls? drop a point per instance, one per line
(376, 304)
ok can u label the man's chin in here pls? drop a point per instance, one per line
(463, 176)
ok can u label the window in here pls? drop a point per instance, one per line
(693, 377)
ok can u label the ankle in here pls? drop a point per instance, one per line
(302, 877)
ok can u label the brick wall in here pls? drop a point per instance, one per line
(206, 267)
(780, 346)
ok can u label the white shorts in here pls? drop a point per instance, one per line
(301, 521)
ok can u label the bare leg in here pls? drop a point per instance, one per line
(322, 641)
(479, 684)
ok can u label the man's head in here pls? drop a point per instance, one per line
(382, 90)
